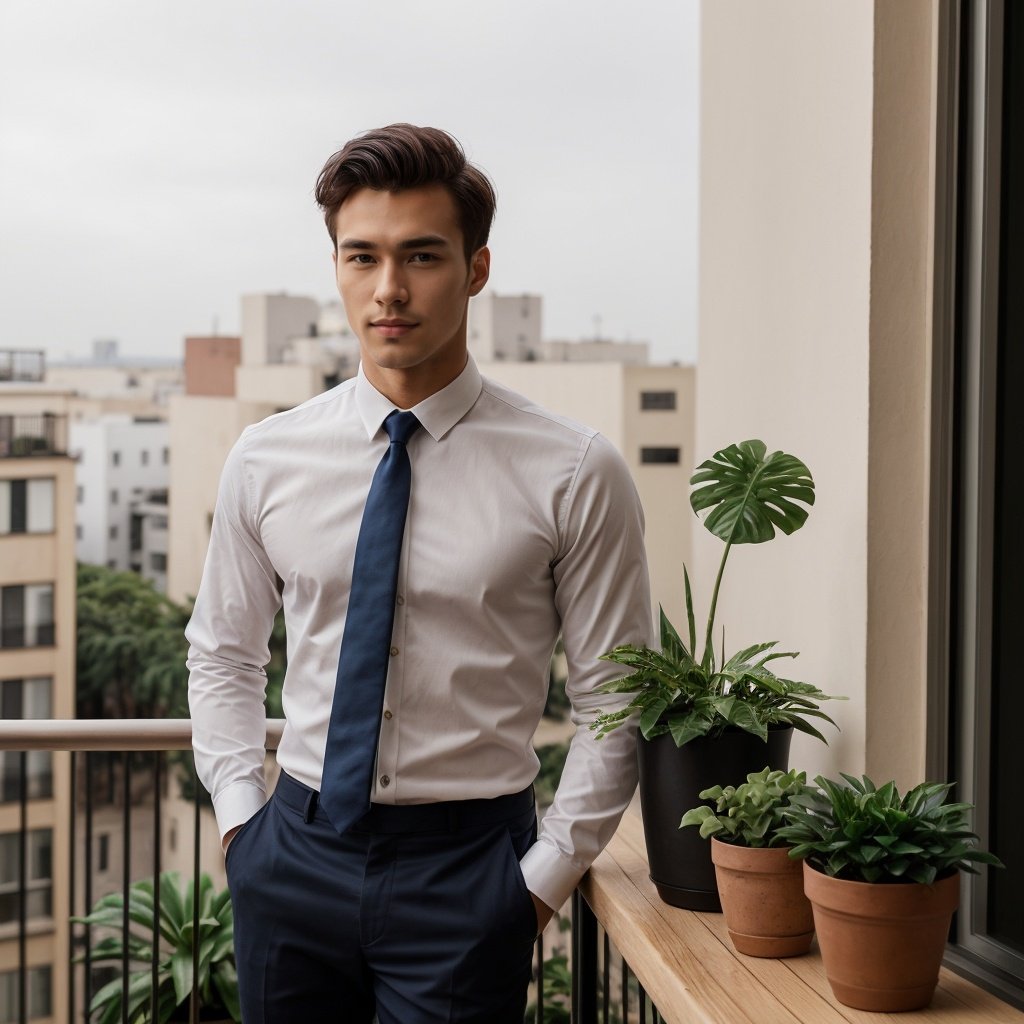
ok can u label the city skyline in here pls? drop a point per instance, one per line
(156, 164)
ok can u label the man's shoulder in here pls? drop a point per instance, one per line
(519, 408)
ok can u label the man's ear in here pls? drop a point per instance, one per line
(479, 270)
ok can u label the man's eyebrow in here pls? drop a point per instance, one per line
(423, 242)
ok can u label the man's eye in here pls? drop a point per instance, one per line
(360, 257)
(423, 257)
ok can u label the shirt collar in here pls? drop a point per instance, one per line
(437, 414)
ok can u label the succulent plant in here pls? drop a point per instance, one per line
(870, 833)
(749, 814)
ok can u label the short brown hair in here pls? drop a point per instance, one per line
(403, 156)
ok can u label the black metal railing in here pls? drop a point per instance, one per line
(25, 436)
(127, 769)
(604, 988)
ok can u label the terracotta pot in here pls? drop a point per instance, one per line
(671, 780)
(762, 893)
(882, 944)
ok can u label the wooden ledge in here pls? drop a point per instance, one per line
(687, 965)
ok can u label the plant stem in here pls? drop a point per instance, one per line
(714, 604)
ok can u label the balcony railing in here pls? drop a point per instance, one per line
(674, 965)
(32, 436)
(128, 767)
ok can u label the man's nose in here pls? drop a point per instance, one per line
(391, 289)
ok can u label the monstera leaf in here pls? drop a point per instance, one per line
(752, 494)
(678, 690)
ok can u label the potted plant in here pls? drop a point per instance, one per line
(760, 885)
(217, 983)
(706, 718)
(882, 873)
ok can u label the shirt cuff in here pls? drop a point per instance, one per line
(549, 875)
(237, 804)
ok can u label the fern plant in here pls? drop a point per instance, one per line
(869, 833)
(751, 494)
(217, 981)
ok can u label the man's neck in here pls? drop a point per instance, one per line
(408, 387)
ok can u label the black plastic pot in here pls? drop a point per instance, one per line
(671, 778)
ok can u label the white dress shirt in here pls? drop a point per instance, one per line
(521, 525)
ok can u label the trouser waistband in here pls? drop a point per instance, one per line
(444, 816)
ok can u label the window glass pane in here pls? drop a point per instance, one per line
(8, 997)
(5, 507)
(18, 509)
(39, 615)
(40, 854)
(661, 400)
(12, 617)
(40, 505)
(40, 993)
(9, 858)
(660, 455)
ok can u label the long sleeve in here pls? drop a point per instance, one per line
(603, 600)
(229, 646)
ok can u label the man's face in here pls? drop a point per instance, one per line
(403, 278)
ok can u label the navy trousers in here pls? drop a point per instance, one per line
(418, 914)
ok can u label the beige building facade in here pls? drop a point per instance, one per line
(37, 664)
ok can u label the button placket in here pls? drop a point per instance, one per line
(386, 777)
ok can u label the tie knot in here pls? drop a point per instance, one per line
(401, 426)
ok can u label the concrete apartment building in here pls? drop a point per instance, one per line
(37, 654)
(122, 475)
(110, 382)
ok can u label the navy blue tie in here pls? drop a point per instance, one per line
(366, 642)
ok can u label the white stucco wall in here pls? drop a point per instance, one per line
(785, 250)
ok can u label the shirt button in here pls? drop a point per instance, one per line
(388, 715)
(400, 599)
(394, 651)
(385, 780)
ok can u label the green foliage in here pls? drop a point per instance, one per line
(131, 648)
(552, 760)
(557, 991)
(557, 705)
(872, 834)
(751, 494)
(749, 814)
(217, 982)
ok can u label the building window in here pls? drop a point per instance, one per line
(144, 456)
(21, 699)
(158, 522)
(166, 456)
(79, 531)
(40, 995)
(79, 494)
(39, 887)
(26, 615)
(115, 458)
(663, 456)
(113, 531)
(657, 400)
(26, 506)
(114, 496)
(158, 561)
(111, 563)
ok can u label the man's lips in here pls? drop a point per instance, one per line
(393, 328)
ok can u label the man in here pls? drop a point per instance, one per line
(440, 530)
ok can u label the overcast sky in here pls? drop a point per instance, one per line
(157, 158)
